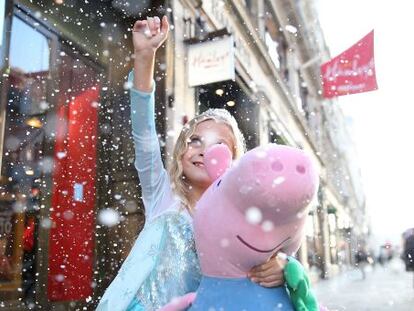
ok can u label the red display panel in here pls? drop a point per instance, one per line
(71, 244)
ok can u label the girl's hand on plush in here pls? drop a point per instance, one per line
(148, 35)
(269, 274)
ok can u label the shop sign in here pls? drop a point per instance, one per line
(211, 61)
(351, 72)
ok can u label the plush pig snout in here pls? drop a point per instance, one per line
(277, 166)
(279, 180)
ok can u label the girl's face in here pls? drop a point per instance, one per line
(206, 134)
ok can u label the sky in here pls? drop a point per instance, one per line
(381, 122)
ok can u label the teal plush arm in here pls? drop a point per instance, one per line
(298, 284)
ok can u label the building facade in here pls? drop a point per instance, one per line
(279, 47)
(70, 198)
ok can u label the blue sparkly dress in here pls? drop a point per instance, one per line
(163, 263)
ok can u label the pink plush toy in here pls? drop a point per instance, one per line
(251, 211)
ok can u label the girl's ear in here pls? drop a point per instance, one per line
(217, 159)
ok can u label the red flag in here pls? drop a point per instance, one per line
(351, 72)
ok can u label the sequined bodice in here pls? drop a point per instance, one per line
(177, 269)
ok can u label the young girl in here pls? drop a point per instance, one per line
(163, 263)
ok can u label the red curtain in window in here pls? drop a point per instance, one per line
(71, 242)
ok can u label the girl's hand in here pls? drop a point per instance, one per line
(269, 274)
(148, 35)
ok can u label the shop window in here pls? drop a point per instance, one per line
(303, 96)
(248, 4)
(332, 225)
(311, 240)
(274, 137)
(21, 172)
(189, 27)
(276, 44)
(48, 167)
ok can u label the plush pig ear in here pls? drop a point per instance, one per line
(217, 160)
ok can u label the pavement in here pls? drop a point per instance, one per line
(384, 288)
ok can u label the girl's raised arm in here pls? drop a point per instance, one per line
(147, 38)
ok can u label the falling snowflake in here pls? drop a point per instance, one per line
(267, 226)
(109, 217)
(291, 29)
(277, 181)
(253, 215)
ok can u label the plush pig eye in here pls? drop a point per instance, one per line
(219, 182)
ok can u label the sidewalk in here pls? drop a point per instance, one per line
(384, 289)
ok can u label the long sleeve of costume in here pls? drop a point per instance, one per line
(152, 174)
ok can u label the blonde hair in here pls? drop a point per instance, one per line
(179, 183)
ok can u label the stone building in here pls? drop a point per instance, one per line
(70, 205)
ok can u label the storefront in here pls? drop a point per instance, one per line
(49, 142)
(65, 154)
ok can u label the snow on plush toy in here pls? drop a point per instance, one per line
(251, 211)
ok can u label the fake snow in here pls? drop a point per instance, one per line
(291, 29)
(224, 243)
(68, 215)
(277, 181)
(18, 207)
(127, 85)
(43, 105)
(61, 154)
(253, 215)
(282, 256)
(46, 223)
(261, 154)
(245, 189)
(109, 217)
(267, 226)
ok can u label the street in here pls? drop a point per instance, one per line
(385, 288)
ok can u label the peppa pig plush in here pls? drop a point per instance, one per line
(253, 209)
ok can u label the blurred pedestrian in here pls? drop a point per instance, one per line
(361, 260)
(408, 250)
